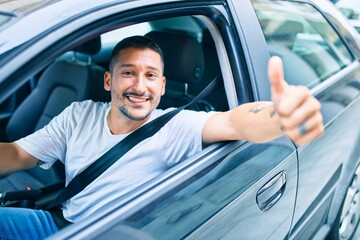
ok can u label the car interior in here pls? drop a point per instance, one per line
(78, 74)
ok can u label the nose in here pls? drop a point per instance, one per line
(140, 83)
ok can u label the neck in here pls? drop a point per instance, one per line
(121, 124)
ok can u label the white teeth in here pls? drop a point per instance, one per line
(137, 100)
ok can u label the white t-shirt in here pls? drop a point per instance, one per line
(80, 135)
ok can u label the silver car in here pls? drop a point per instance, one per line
(55, 52)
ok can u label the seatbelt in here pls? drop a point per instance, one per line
(94, 170)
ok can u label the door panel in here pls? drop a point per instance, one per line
(327, 159)
(220, 201)
(314, 55)
(242, 217)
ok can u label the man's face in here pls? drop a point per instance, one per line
(136, 83)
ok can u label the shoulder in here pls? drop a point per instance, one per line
(193, 116)
(158, 112)
(86, 106)
(83, 111)
(182, 114)
(187, 118)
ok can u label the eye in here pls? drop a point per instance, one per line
(152, 75)
(127, 73)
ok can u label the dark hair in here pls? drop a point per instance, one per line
(140, 42)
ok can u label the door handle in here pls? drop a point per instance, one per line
(271, 192)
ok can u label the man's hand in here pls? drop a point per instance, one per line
(293, 112)
(298, 111)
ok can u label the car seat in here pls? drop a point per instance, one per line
(212, 69)
(184, 65)
(62, 82)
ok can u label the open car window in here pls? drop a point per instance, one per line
(185, 79)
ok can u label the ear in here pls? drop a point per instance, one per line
(163, 86)
(107, 81)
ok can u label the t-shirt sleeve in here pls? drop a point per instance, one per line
(185, 136)
(49, 143)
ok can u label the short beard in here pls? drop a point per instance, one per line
(123, 110)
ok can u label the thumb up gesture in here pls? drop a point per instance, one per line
(298, 111)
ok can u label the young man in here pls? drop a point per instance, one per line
(86, 130)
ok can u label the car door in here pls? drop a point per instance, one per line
(317, 56)
(229, 189)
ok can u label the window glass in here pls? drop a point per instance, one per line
(350, 8)
(310, 48)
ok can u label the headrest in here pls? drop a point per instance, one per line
(183, 56)
(284, 30)
(207, 39)
(90, 47)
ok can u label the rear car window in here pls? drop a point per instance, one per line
(310, 48)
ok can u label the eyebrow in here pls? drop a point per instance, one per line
(127, 65)
(132, 65)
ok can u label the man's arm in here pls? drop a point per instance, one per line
(293, 111)
(13, 158)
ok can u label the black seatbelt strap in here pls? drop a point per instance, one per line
(83, 179)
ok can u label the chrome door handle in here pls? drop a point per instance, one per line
(271, 192)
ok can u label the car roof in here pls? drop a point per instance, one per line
(23, 7)
(34, 18)
(38, 17)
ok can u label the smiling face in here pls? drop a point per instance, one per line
(136, 83)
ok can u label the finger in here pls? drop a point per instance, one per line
(295, 97)
(303, 112)
(308, 130)
(311, 135)
(276, 75)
